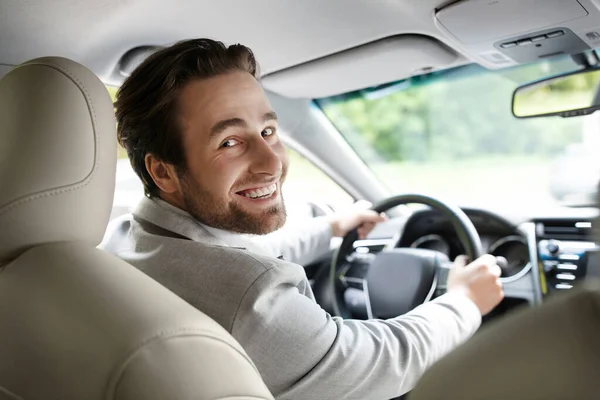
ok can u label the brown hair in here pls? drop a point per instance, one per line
(147, 102)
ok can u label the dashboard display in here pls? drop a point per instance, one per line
(515, 250)
(432, 242)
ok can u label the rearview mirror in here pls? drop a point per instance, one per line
(569, 95)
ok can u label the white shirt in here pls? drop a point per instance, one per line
(300, 243)
(268, 306)
(254, 243)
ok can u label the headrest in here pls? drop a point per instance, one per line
(57, 155)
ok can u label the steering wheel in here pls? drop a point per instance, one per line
(396, 280)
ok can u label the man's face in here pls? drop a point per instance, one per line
(235, 163)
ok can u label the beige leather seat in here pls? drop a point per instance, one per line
(548, 353)
(75, 322)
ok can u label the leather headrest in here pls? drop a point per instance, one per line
(57, 155)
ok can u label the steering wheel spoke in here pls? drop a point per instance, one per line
(444, 270)
(396, 280)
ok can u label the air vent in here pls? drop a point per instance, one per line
(565, 229)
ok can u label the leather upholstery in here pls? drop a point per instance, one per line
(76, 322)
(549, 352)
(57, 155)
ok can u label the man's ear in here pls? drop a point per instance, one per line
(162, 173)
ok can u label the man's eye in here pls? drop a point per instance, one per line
(268, 132)
(229, 143)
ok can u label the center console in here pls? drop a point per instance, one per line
(563, 252)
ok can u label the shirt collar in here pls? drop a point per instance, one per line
(174, 219)
(233, 239)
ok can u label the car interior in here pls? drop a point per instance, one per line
(470, 123)
(80, 323)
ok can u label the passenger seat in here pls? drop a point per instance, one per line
(76, 322)
(551, 352)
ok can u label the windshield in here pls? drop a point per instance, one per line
(451, 134)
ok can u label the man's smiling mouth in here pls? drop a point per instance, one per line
(259, 193)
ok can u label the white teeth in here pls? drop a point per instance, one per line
(263, 192)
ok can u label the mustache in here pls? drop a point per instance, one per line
(254, 181)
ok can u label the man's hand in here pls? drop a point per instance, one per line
(479, 281)
(364, 220)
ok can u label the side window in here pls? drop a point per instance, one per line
(307, 188)
(128, 187)
(112, 90)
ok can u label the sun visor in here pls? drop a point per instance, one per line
(503, 33)
(371, 64)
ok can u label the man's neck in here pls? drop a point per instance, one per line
(173, 199)
(254, 243)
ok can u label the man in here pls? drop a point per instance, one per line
(202, 136)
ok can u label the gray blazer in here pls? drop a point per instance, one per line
(267, 304)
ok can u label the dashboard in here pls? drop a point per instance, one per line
(431, 230)
(546, 253)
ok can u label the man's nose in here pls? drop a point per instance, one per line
(265, 159)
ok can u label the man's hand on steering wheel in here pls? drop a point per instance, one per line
(357, 217)
(397, 279)
(479, 281)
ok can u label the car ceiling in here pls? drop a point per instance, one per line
(282, 33)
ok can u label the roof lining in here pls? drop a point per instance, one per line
(389, 59)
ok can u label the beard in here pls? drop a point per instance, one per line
(229, 215)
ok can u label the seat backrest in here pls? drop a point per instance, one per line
(76, 322)
(551, 352)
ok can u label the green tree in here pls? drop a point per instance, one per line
(448, 119)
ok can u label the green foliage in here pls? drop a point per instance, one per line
(560, 94)
(112, 90)
(468, 117)
(574, 83)
(121, 153)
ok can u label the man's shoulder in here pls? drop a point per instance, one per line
(212, 277)
(138, 240)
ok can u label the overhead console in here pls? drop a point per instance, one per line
(503, 33)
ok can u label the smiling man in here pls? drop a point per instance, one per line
(235, 176)
(202, 136)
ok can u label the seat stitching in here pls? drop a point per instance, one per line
(166, 334)
(85, 181)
